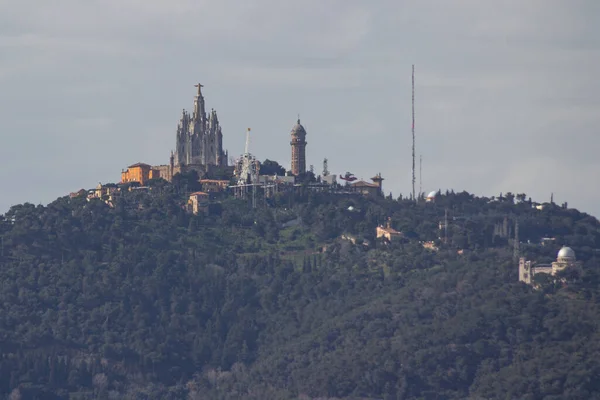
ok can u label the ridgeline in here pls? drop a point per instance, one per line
(295, 300)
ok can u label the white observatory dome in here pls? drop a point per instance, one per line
(566, 254)
(432, 195)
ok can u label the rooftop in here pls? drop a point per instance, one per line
(364, 184)
(141, 165)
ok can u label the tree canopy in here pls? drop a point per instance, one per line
(296, 299)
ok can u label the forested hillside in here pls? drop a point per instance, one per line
(146, 301)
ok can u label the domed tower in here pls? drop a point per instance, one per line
(298, 144)
(431, 197)
(565, 258)
(566, 255)
(378, 180)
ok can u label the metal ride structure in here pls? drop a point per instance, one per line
(247, 170)
(348, 177)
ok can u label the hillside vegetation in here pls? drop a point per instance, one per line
(145, 301)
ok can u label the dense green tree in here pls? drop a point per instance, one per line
(269, 167)
(143, 300)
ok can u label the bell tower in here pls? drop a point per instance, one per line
(298, 144)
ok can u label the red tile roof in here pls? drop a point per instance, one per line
(142, 165)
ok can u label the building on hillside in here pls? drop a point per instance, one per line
(430, 245)
(298, 144)
(329, 179)
(166, 172)
(199, 139)
(545, 241)
(79, 193)
(198, 147)
(107, 193)
(366, 188)
(378, 180)
(388, 233)
(198, 203)
(528, 269)
(140, 173)
(102, 191)
(214, 185)
(277, 179)
(431, 197)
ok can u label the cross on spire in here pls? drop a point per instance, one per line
(199, 86)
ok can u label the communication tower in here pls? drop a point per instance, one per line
(420, 175)
(325, 169)
(413, 133)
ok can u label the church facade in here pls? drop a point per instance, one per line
(199, 140)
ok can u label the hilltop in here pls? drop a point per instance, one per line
(295, 300)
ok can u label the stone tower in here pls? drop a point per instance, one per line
(525, 270)
(378, 180)
(199, 139)
(298, 149)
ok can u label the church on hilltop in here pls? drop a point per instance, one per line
(198, 147)
(199, 140)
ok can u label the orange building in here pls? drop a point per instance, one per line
(198, 203)
(388, 233)
(139, 172)
(367, 188)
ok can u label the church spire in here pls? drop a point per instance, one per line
(199, 112)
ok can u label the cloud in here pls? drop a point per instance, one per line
(506, 92)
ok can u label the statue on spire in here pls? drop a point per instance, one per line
(199, 86)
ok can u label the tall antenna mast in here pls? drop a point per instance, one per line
(413, 133)
(420, 175)
(325, 168)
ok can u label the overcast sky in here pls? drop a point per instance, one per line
(507, 92)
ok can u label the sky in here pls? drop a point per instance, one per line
(507, 93)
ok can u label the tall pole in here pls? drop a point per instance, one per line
(413, 133)
(420, 175)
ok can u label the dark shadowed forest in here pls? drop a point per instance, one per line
(146, 301)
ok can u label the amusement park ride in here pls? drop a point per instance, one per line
(348, 177)
(247, 169)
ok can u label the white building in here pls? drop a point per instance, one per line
(565, 258)
(431, 197)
